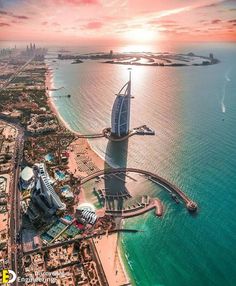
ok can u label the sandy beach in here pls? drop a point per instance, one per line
(107, 246)
(108, 251)
(78, 144)
(80, 148)
(49, 84)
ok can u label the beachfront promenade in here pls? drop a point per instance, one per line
(190, 205)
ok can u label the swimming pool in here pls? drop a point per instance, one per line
(49, 157)
(68, 217)
(65, 188)
(60, 175)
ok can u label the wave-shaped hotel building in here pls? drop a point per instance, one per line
(120, 118)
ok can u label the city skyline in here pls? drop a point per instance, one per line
(118, 21)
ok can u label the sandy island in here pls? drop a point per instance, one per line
(107, 246)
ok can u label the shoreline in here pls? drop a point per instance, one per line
(99, 161)
(112, 261)
(49, 84)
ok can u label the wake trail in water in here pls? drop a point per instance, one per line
(223, 100)
(227, 79)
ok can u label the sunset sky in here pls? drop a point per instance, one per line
(107, 21)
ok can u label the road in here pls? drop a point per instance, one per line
(82, 238)
(18, 71)
(14, 197)
(14, 194)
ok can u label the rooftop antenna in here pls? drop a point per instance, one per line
(129, 69)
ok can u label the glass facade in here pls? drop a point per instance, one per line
(120, 118)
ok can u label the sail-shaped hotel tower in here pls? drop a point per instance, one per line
(120, 118)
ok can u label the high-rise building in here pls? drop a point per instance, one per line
(120, 118)
(44, 195)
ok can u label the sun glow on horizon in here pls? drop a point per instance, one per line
(141, 35)
(142, 22)
(139, 48)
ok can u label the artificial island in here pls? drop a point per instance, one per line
(60, 202)
(151, 59)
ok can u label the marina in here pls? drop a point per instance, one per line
(190, 205)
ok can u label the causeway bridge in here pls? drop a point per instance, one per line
(190, 205)
(106, 132)
(99, 135)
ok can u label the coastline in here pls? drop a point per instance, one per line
(111, 259)
(119, 276)
(49, 84)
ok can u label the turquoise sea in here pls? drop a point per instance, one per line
(193, 111)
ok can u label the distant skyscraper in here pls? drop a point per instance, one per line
(120, 118)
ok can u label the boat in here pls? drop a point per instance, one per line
(175, 198)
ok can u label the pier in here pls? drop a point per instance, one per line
(139, 209)
(190, 205)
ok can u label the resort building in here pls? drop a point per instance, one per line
(120, 118)
(44, 195)
(86, 213)
(41, 123)
(88, 216)
(27, 178)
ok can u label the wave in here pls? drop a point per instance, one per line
(128, 261)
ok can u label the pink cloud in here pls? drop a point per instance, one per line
(4, 24)
(216, 21)
(93, 25)
(10, 14)
(112, 19)
(77, 2)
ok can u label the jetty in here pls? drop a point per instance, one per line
(139, 209)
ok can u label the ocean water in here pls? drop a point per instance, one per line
(193, 111)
